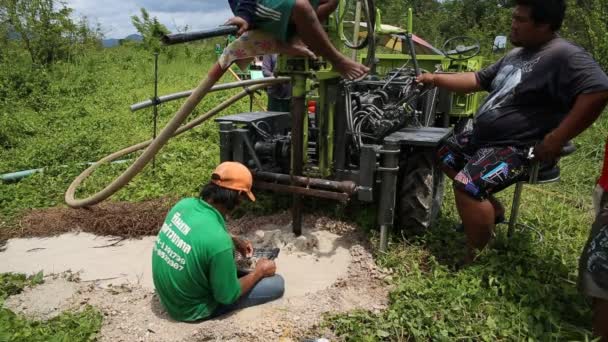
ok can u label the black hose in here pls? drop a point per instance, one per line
(178, 38)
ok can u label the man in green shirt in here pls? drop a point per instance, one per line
(193, 264)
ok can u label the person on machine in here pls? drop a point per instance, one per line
(542, 93)
(296, 22)
(193, 265)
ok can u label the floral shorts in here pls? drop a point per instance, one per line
(485, 170)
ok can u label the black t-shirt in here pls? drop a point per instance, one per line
(531, 91)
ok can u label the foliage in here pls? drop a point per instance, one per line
(76, 110)
(45, 29)
(69, 326)
(586, 21)
(14, 283)
(151, 29)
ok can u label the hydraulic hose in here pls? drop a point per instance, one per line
(170, 130)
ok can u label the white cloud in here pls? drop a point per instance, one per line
(115, 15)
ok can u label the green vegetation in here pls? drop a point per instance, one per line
(74, 109)
(14, 283)
(69, 326)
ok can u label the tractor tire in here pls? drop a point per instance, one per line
(420, 192)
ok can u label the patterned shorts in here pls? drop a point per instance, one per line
(593, 264)
(482, 171)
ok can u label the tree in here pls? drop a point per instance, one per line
(44, 29)
(150, 29)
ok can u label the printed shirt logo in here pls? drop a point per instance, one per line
(505, 82)
(173, 250)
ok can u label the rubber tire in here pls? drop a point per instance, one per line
(421, 188)
(421, 182)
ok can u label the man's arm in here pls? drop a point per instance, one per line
(243, 15)
(243, 246)
(263, 268)
(464, 82)
(587, 108)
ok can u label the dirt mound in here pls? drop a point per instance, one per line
(124, 219)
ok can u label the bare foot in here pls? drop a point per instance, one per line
(350, 69)
(297, 48)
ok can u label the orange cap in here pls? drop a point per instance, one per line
(234, 176)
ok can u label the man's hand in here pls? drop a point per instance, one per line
(265, 267)
(549, 149)
(426, 78)
(241, 23)
(244, 247)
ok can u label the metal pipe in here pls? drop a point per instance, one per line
(257, 100)
(155, 102)
(347, 187)
(410, 42)
(386, 210)
(177, 38)
(224, 86)
(298, 106)
(245, 138)
(226, 129)
(297, 190)
(519, 187)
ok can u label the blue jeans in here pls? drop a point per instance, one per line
(266, 290)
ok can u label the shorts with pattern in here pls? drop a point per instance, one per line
(593, 263)
(482, 171)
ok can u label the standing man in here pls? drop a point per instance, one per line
(279, 95)
(593, 264)
(543, 93)
(193, 264)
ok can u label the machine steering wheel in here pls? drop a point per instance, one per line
(460, 48)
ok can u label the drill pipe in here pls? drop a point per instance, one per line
(347, 187)
(297, 190)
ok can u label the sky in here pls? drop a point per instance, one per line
(115, 15)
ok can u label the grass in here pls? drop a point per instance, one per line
(69, 326)
(522, 288)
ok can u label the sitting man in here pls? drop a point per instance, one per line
(293, 22)
(193, 264)
(543, 93)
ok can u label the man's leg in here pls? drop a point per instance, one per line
(600, 318)
(489, 170)
(499, 209)
(478, 219)
(326, 7)
(266, 290)
(311, 31)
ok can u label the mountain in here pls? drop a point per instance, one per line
(112, 42)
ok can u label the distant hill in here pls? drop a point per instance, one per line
(111, 42)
